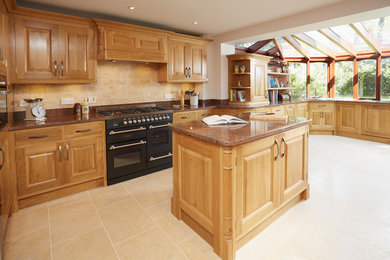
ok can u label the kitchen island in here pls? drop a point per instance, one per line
(231, 181)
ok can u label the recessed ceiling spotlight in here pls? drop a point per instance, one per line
(195, 22)
(132, 7)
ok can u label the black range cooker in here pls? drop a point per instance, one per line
(139, 141)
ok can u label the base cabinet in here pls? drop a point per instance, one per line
(375, 120)
(347, 118)
(323, 116)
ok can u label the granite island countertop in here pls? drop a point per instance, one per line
(237, 134)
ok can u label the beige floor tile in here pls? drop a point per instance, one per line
(68, 200)
(198, 249)
(108, 195)
(152, 244)
(73, 220)
(35, 245)
(151, 191)
(28, 220)
(177, 230)
(124, 220)
(92, 245)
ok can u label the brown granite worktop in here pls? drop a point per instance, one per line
(237, 134)
(55, 117)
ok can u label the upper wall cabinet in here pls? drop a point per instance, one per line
(119, 41)
(3, 39)
(47, 51)
(187, 61)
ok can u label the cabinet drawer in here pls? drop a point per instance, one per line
(200, 114)
(184, 117)
(323, 106)
(33, 136)
(86, 129)
(278, 110)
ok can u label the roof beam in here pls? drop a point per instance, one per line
(297, 46)
(314, 44)
(366, 36)
(258, 45)
(279, 47)
(332, 36)
(272, 51)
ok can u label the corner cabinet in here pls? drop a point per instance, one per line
(323, 116)
(187, 61)
(52, 162)
(248, 84)
(47, 51)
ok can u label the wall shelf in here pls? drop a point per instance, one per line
(243, 73)
(278, 73)
(278, 88)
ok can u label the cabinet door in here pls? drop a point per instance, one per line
(39, 167)
(316, 117)
(5, 182)
(293, 163)
(328, 120)
(77, 53)
(347, 118)
(196, 61)
(376, 120)
(177, 67)
(257, 183)
(3, 39)
(289, 110)
(258, 83)
(84, 157)
(301, 110)
(36, 50)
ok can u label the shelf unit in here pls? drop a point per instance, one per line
(250, 85)
(282, 79)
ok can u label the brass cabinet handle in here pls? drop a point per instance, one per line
(62, 68)
(38, 136)
(277, 145)
(322, 105)
(83, 131)
(189, 72)
(186, 72)
(185, 117)
(2, 163)
(55, 68)
(67, 152)
(60, 149)
(285, 147)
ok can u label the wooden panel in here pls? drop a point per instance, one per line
(39, 167)
(257, 193)
(316, 117)
(375, 120)
(198, 61)
(328, 120)
(260, 82)
(289, 110)
(5, 181)
(85, 159)
(84, 129)
(3, 39)
(180, 117)
(34, 136)
(176, 60)
(36, 50)
(78, 53)
(301, 110)
(293, 161)
(347, 118)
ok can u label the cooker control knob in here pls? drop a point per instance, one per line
(125, 122)
(164, 117)
(139, 121)
(147, 120)
(143, 120)
(160, 118)
(168, 117)
(134, 121)
(152, 119)
(156, 119)
(130, 122)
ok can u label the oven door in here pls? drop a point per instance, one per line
(159, 145)
(126, 158)
(129, 133)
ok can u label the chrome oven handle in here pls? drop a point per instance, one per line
(127, 131)
(113, 147)
(158, 126)
(160, 157)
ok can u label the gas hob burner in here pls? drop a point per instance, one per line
(151, 109)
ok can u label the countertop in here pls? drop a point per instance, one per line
(237, 134)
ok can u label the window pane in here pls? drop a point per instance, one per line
(287, 49)
(350, 36)
(318, 37)
(312, 52)
(344, 79)
(380, 27)
(318, 79)
(385, 84)
(268, 46)
(246, 45)
(297, 80)
(367, 78)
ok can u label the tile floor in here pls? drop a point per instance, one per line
(346, 217)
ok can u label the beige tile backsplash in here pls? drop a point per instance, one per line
(117, 83)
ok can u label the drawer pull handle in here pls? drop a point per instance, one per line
(38, 136)
(322, 105)
(185, 117)
(378, 106)
(83, 131)
(160, 157)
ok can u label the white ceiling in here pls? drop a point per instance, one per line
(214, 16)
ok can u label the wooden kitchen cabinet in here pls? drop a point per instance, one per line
(347, 117)
(302, 110)
(47, 51)
(375, 120)
(279, 110)
(289, 110)
(180, 117)
(187, 61)
(59, 161)
(323, 116)
(6, 184)
(3, 39)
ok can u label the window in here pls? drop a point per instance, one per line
(367, 78)
(318, 79)
(385, 79)
(344, 79)
(297, 80)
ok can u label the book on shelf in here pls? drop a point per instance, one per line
(273, 82)
(223, 120)
(241, 95)
(237, 95)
